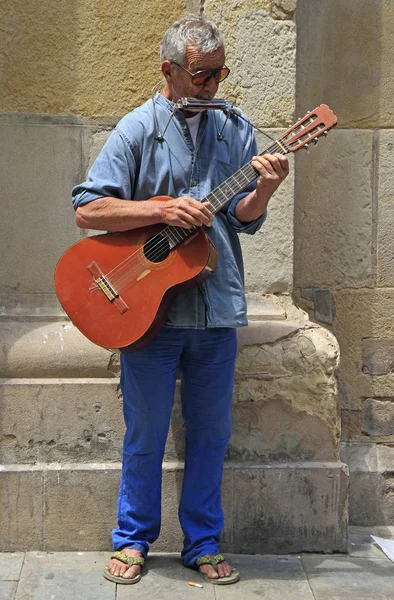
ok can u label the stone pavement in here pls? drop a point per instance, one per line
(363, 574)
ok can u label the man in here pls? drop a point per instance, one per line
(147, 155)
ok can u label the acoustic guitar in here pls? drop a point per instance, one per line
(117, 287)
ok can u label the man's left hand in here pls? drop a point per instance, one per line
(272, 169)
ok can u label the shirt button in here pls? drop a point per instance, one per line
(194, 182)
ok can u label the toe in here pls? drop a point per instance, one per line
(209, 571)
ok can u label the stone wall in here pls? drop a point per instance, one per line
(69, 72)
(344, 218)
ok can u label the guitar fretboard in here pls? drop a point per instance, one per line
(222, 195)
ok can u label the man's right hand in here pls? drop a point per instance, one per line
(186, 212)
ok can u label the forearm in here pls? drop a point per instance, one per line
(113, 214)
(272, 169)
(251, 207)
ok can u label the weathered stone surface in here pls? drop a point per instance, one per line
(351, 424)
(82, 57)
(283, 9)
(61, 576)
(11, 566)
(308, 496)
(65, 420)
(40, 166)
(247, 28)
(271, 577)
(378, 356)
(347, 46)
(378, 417)
(268, 254)
(333, 213)
(8, 589)
(349, 577)
(80, 507)
(21, 515)
(372, 482)
(323, 303)
(311, 354)
(362, 314)
(385, 210)
(46, 349)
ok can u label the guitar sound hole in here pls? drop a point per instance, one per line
(156, 249)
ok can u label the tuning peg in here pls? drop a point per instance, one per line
(325, 133)
(305, 146)
(315, 140)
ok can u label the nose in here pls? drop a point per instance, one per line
(211, 86)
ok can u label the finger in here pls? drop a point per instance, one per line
(279, 162)
(263, 166)
(200, 213)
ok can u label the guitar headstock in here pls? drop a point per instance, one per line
(308, 129)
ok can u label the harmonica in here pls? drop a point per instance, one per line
(198, 104)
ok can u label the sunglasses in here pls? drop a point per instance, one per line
(202, 77)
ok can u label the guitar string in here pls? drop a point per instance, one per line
(118, 277)
(121, 275)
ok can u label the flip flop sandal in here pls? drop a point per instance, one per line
(129, 561)
(215, 561)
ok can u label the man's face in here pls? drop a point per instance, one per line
(182, 85)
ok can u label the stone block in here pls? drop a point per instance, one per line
(87, 43)
(77, 507)
(378, 356)
(60, 576)
(372, 482)
(350, 43)
(323, 303)
(283, 9)
(378, 417)
(385, 209)
(8, 589)
(64, 420)
(34, 349)
(311, 514)
(351, 421)
(22, 514)
(268, 254)
(11, 566)
(349, 577)
(246, 27)
(285, 397)
(333, 213)
(36, 205)
(362, 314)
(271, 577)
(80, 507)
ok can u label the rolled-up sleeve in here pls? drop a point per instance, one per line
(112, 174)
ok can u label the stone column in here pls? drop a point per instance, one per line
(344, 217)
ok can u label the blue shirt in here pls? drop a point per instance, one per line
(133, 164)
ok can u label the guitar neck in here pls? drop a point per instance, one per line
(223, 194)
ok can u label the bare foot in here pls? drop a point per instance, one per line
(224, 570)
(118, 568)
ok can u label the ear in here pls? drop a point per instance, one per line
(166, 69)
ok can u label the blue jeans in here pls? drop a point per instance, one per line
(207, 361)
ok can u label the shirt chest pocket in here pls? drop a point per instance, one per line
(221, 171)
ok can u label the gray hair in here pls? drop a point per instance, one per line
(193, 29)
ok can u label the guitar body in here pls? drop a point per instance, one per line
(145, 288)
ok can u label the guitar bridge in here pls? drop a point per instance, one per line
(106, 288)
(102, 282)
